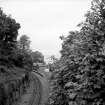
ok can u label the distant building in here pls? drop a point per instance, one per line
(46, 70)
(39, 64)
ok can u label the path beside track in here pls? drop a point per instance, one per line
(37, 93)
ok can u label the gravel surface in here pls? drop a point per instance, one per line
(25, 98)
(44, 89)
(37, 93)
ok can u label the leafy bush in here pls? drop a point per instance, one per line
(80, 77)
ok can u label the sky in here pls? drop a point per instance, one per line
(44, 21)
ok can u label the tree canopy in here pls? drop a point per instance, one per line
(37, 57)
(13, 52)
(79, 79)
(8, 36)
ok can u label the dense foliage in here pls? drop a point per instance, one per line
(23, 53)
(37, 57)
(14, 78)
(79, 75)
(15, 61)
(8, 36)
(15, 52)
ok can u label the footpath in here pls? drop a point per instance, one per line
(37, 93)
(27, 98)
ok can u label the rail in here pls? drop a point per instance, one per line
(36, 97)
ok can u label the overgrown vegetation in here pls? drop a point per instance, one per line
(16, 61)
(79, 75)
(15, 52)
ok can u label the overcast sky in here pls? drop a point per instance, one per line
(45, 20)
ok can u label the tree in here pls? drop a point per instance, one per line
(23, 53)
(37, 57)
(24, 43)
(52, 63)
(8, 36)
(80, 76)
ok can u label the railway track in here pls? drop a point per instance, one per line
(40, 90)
(36, 97)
